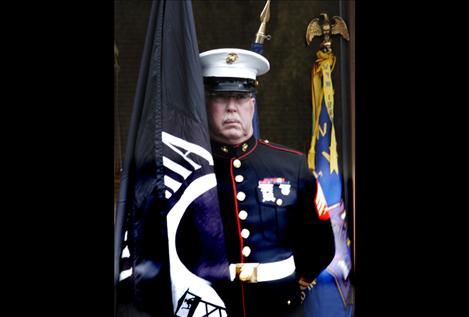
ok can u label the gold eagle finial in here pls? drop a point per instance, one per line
(327, 29)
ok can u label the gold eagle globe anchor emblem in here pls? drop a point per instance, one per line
(231, 58)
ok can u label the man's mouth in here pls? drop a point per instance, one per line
(231, 121)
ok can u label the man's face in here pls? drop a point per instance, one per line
(230, 116)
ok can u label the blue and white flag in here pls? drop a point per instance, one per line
(333, 294)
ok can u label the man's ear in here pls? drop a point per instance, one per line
(253, 99)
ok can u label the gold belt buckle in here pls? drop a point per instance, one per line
(247, 272)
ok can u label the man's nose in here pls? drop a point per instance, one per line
(231, 105)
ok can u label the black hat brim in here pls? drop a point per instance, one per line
(215, 84)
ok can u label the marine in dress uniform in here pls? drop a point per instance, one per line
(266, 192)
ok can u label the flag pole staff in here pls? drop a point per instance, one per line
(258, 47)
(323, 100)
(117, 129)
(264, 18)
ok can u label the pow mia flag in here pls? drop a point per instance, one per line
(169, 236)
(190, 302)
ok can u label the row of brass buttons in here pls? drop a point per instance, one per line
(241, 196)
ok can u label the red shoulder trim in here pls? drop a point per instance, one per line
(280, 148)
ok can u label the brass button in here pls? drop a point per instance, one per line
(239, 178)
(279, 202)
(245, 233)
(241, 196)
(243, 215)
(237, 163)
(244, 147)
(246, 251)
(224, 149)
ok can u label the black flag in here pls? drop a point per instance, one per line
(169, 235)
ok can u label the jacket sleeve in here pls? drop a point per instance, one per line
(313, 238)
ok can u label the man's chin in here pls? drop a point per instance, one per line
(232, 137)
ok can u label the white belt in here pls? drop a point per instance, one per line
(263, 272)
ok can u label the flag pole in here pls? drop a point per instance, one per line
(323, 160)
(258, 47)
(117, 129)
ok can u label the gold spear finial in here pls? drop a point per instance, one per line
(264, 17)
(316, 29)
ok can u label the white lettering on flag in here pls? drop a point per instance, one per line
(172, 142)
(183, 279)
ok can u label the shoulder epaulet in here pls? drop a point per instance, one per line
(278, 146)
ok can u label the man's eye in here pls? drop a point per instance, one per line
(241, 96)
(237, 97)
